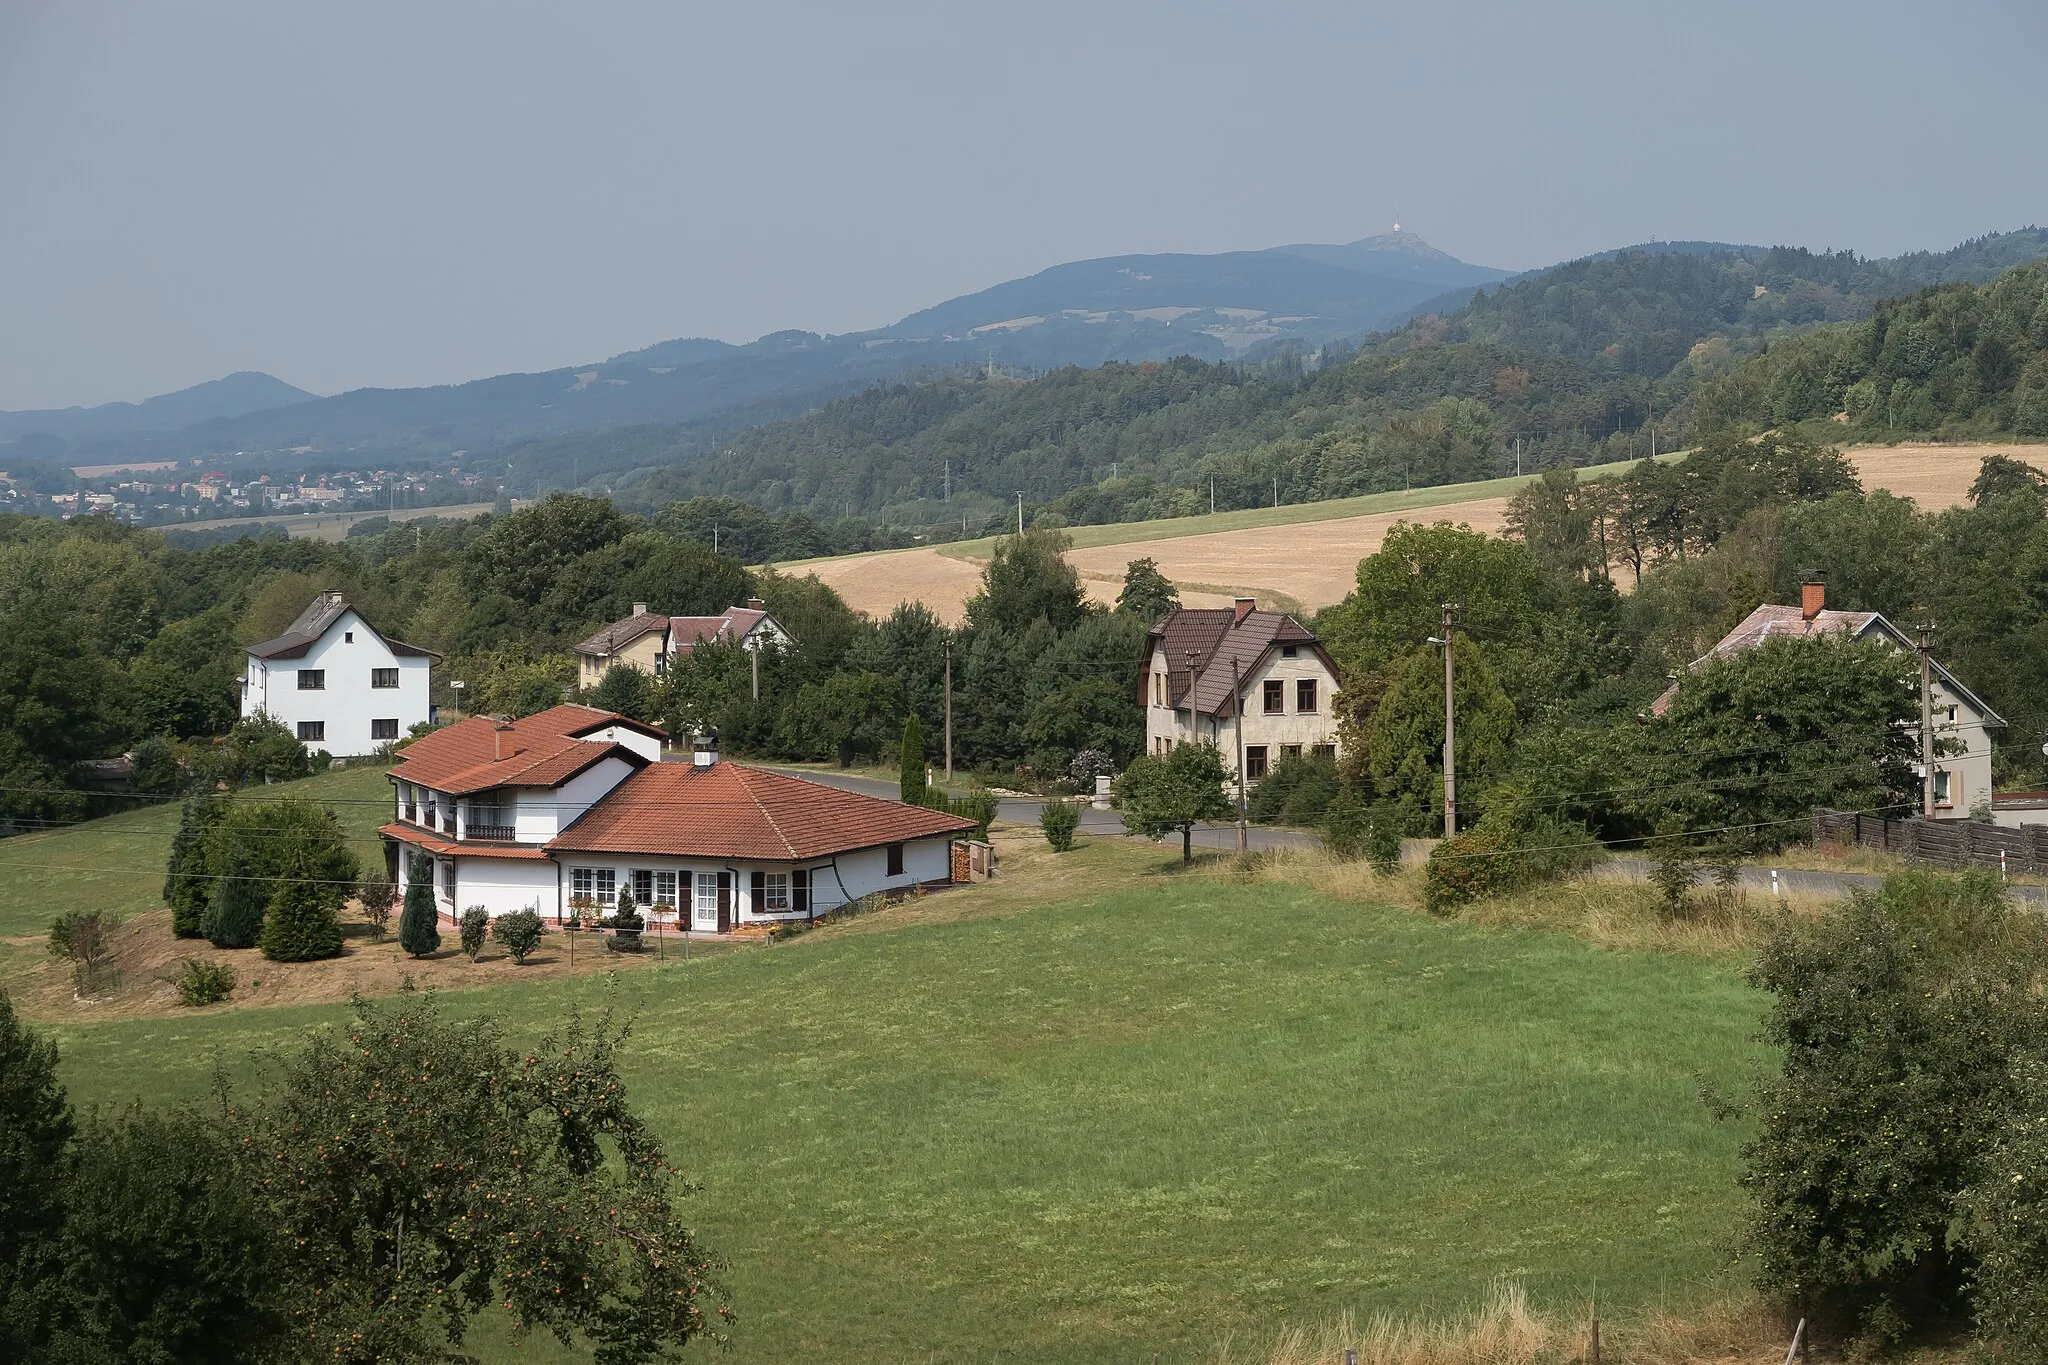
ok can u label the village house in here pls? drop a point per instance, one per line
(1199, 663)
(1962, 721)
(557, 811)
(336, 682)
(651, 641)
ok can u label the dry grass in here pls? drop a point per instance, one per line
(1612, 912)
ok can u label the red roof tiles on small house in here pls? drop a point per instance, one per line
(541, 750)
(729, 810)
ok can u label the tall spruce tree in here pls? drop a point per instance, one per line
(235, 918)
(35, 1129)
(911, 777)
(418, 933)
(300, 924)
(185, 879)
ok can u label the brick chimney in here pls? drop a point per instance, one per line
(1813, 597)
(502, 730)
(756, 604)
(1245, 607)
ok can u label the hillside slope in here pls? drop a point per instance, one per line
(233, 395)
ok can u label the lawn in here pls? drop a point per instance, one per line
(118, 863)
(1130, 1122)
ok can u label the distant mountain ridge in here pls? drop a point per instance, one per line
(1139, 307)
(234, 395)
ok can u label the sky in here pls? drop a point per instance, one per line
(382, 194)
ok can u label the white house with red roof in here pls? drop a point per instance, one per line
(1963, 721)
(537, 813)
(650, 641)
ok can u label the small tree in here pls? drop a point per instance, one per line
(1674, 867)
(1147, 594)
(626, 923)
(1161, 795)
(379, 897)
(910, 767)
(475, 927)
(1059, 820)
(205, 983)
(86, 939)
(418, 933)
(185, 879)
(518, 933)
(300, 925)
(238, 900)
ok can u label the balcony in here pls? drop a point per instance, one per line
(500, 834)
(410, 814)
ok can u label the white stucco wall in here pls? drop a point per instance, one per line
(502, 885)
(647, 746)
(1165, 726)
(347, 704)
(540, 813)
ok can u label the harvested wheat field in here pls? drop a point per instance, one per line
(1935, 476)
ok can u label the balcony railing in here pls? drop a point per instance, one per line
(448, 824)
(503, 834)
(411, 814)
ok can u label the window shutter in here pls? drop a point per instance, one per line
(800, 891)
(758, 892)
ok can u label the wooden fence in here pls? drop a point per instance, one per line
(1939, 843)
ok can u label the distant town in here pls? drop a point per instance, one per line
(173, 493)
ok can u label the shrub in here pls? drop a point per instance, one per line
(475, 928)
(518, 933)
(1059, 820)
(286, 839)
(626, 923)
(185, 881)
(156, 770)
(300, 924)
(418, 933)
(205, 983)
(1674, 867)
(1297, 791)
(1466, 868)
(979, 806)
(1352, 829)
(2007, 1222)
(236, 920)
(1088, 765)
(1899, 1019)
(378, 896)
(910, 780)
(1511, 847)
(86, 939)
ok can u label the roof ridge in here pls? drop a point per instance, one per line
(759, 805)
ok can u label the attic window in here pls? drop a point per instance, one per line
(1289, 651)
(348, 637)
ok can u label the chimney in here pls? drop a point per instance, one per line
(1813, 596)
(706, 754)
(639, 608)
(504, 728)
(1245, 607)
(756, 604)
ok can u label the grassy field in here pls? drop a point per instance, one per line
(1100, 1110)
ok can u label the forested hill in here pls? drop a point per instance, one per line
(1578, 362)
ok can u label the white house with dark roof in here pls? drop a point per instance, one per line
(337, 682)
(1963, 721)
(1202, 664)
(574, 803)
(650, 641)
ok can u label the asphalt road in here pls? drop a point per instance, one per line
(1108, 824)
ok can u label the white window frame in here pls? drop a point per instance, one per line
(707, 895)
(667, 889)
(1944, 788)
(775, 894)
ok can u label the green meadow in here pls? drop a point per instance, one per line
(1136, 1120)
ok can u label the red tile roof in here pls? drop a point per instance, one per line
(448, 848)
(541, 750)
(730, 810)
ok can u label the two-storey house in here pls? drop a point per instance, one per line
(1203, 666)
(567, 806)
(651, 641)
(337, 682)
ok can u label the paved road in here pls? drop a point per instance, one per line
(1108, 824)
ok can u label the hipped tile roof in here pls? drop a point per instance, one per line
(541, 750)
(312, 623)
(729, 810)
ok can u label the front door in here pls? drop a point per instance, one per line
(725, 902)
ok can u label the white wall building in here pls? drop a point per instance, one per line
(337, 683)
(1198, 661)
(567, 806)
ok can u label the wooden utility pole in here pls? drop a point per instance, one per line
(1926, 724)
(949, 710)
(1020, 514)
(1450, 734)
(754, 654)
(1237, 720)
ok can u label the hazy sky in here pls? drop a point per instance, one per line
(362, 193)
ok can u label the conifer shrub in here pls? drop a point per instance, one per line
(236, 918)
(475, 928)
(626, 923)
(205, 983)
(910, 779)
(1059, 820)
(519, 933)
(185, 880)
(418, 933)
(300, 925)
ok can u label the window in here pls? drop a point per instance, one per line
(1290, 751)
(312, 680)
(601, 884)
(314, 731)
(348, 637)
(1289, 651)
(383, 677)
(448, 879)
(1254, 762)
(1275, 697)
(384, 729)
(775, 894)
(1941, 789)
(1951, 713)
(1305, 694)
(895, 860)
(665, 889)
(1159, 689)
(643, 886)
(1328, 751)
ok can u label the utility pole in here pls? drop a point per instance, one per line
(754, 656)
(1020, 514)
(1276, 490)
(1212, 495)
(1926, 724)
(1518, 457)
(949, 710)
(1237, 721)
(947, 496)
(1450, 731)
